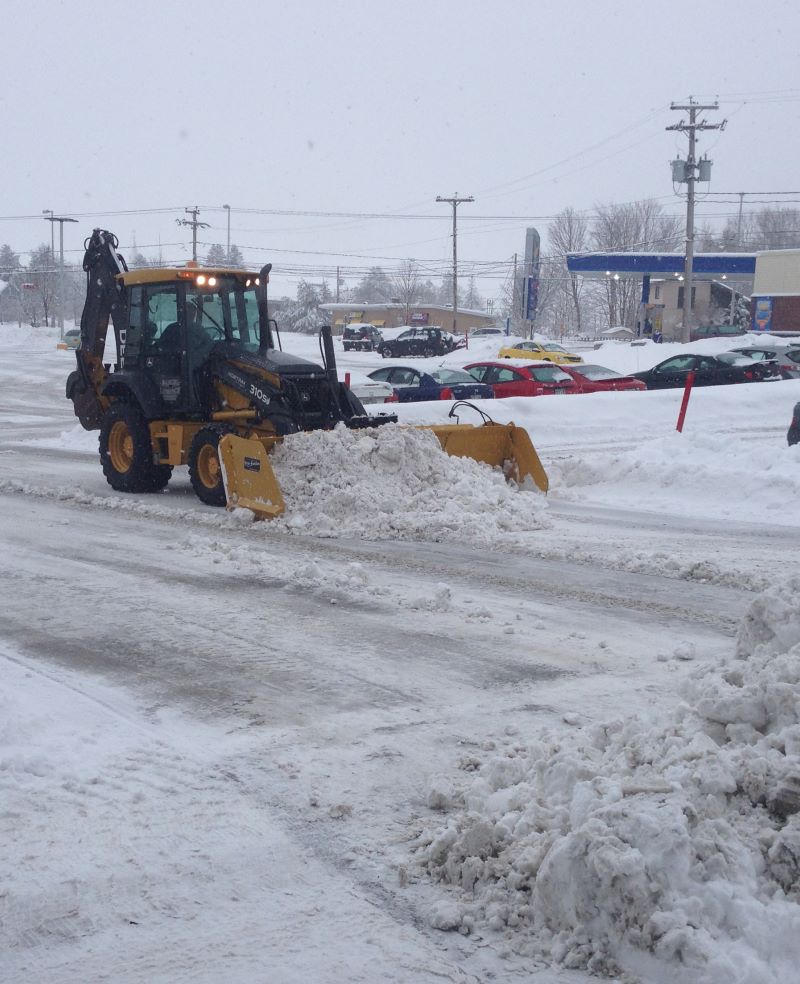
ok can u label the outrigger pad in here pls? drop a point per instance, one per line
(250, 482)
(500, 445)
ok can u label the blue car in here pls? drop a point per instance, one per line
(412, 385)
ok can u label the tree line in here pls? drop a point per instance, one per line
(567, 304)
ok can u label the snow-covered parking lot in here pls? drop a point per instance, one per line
(423, 727)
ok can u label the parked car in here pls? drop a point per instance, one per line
(545, 351)
(523, 378)
(426, 342)
(361, 337)
(793, 435)
(700, 332)
(72, 338)
(483, 332)
(709, 370)
(598, 379)
(786, 360)
(371, 390)
(411, 385)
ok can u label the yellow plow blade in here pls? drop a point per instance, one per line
(500, 445)
(250, 482)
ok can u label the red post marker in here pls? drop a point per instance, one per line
(347, 380)
(687, 389)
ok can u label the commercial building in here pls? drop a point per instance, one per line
(776, 291)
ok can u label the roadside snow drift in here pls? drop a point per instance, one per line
(668, 851)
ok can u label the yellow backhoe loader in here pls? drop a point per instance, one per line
(198, 380)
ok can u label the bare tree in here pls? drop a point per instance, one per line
(42, 274)
(637, 226)
(406, 284)
(568, 233)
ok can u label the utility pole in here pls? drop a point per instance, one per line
(739, 221)
(196, 224)
(455, 201)
(690, 177)
(228, 240)
(61, 288)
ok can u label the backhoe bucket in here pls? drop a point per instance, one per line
(500, 445)
(250, 482)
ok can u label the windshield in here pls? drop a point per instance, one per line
(452, 376)
(597, 372)
(550, 374)
(224, 308)
(552, 347)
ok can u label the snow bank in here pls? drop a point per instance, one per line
(394, 481)
(670, 852)
(722, 475)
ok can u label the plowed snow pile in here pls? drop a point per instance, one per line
(394, 481)
(669, 852)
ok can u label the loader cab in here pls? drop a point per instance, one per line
(174, 326)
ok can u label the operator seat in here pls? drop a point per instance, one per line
(170, 340)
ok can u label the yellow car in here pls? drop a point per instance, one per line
(546, 351)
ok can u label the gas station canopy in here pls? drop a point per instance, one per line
(705, 265)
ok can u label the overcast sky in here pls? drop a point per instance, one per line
(122, 115)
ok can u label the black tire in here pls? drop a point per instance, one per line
(386, 352)
(428, 353)
(205, 472)
(126, 452)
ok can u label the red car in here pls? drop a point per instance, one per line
(598, 379)
(523, 377)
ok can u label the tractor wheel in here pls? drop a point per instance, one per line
(126, 452)
(205, 471)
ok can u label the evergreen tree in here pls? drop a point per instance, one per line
(138, 261)
(216, 256)
(9, 262)
(374, 287)
(235, 260)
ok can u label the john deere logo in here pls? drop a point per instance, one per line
(252, 464)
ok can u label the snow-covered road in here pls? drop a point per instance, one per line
(217, 739)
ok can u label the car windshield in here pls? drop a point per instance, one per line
(452, 376)
(550, 374)
(552, 347)
(597, 373)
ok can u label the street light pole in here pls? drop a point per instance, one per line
(61, 291)
(228, 240)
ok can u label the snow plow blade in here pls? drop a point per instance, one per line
(501, 445)
(250, 482)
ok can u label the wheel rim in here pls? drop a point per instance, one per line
(208, 470)
(120, 447)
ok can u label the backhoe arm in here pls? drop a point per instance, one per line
(106, 298)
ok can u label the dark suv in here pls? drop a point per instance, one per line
(361, 338)
(418, 341)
